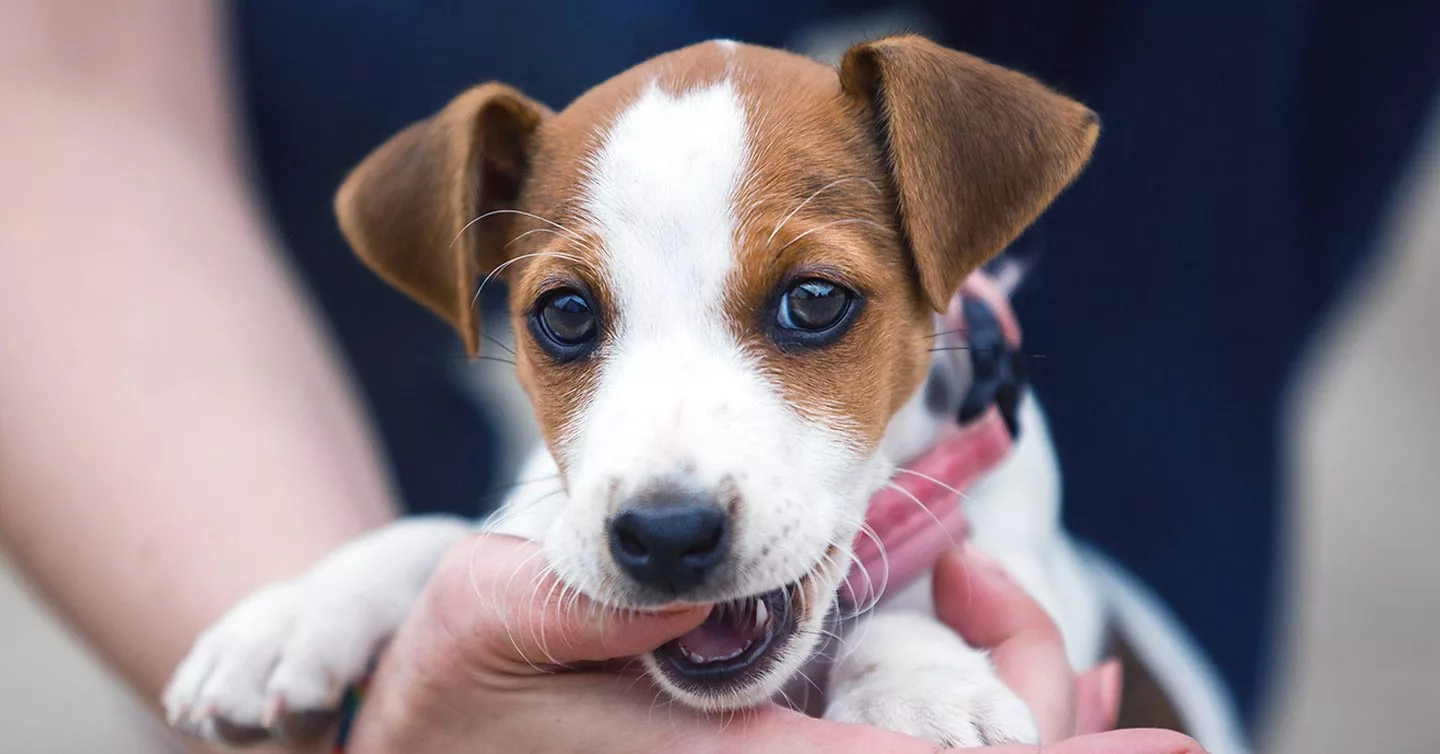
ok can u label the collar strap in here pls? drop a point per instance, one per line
(909, 527)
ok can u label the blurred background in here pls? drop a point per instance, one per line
(1236, 308)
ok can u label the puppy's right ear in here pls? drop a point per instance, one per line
(409, 209)
(975, 151)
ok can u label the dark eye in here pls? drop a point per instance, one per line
(567, 321)
(812, 305)
(813, 313)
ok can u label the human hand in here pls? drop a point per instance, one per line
(976, 596)
(492, 654)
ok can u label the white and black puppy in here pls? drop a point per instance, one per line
(725, 266)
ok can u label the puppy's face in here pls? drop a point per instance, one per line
(723, 265)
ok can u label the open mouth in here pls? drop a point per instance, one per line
(737, 642)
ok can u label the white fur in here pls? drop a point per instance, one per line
(910, 673)
(679, 402)
(295, 646)
(1014, 513)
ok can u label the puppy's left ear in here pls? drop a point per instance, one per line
(976, 151)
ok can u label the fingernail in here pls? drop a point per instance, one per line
(1112, 678)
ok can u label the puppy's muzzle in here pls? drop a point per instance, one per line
(671, 543)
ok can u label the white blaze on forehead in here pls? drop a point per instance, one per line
(661, 191)
(676, 387)
(660, 196)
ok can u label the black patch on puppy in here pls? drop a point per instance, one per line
(939, 393)
(997, 370)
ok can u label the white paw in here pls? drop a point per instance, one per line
(277, 665)
(939, 705)
(909, 674)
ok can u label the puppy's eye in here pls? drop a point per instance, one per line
(565, 319)
(813, 305)
(812, 313)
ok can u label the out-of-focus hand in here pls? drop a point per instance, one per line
(496, 656)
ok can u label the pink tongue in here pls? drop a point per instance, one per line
(721, 637)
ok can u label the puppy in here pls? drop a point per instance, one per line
(725, 267)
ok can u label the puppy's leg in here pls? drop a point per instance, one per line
(908, 673)
(281, 659)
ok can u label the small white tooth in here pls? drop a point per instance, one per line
(762, 614)
(694, 657)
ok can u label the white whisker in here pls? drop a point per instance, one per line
(499, 268)
(810, 198)
(928, 512)
(935, 481)
(572, 234)
(823, 226)
(495, 605)
(875, 594)
(512, 241)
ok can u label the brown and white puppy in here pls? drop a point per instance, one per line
(724, 267)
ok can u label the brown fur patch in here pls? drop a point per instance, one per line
(557, 390)
(977, 151)
(816, 201)
(407, 209)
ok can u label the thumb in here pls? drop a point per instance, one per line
(1097, 697)
(976, 597)
(500, 596)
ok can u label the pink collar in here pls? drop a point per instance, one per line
(915, 530)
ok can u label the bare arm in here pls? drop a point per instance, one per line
(173, 430)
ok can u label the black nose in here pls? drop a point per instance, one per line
(670, 546)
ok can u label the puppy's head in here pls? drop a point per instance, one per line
(723, 265)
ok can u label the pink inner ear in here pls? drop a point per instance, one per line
(914, 535)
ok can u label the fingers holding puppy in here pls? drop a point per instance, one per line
(976, 597)
(470, 668)
(501, 598)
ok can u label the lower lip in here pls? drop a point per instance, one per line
(713, 676)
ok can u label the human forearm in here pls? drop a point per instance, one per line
(173, 430)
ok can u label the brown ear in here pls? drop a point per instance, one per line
(408, 210)
(976, 151)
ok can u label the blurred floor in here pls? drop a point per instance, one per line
(1360, 660)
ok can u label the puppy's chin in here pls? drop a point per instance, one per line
(755, 692)
(748, 650)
